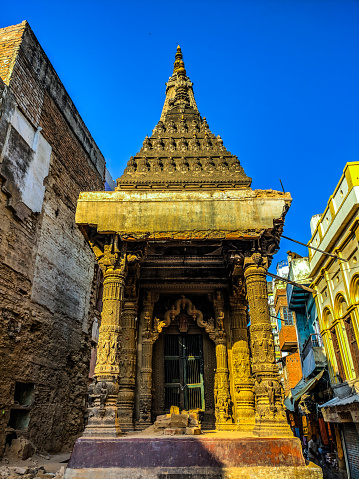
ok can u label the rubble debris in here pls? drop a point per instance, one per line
(20, 448)
(34, 467)
(175, 423)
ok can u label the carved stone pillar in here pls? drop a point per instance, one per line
(126, 395)
(148, 338)
(270, 418)
(103, 420)
(222, 395)
(243, 384)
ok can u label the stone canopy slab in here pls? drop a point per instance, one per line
(151, 215)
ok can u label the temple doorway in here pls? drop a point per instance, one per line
(183, 365)
(183, 372)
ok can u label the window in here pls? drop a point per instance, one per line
(24, 393)
(338, 356)
(287, 316)
(352, 342)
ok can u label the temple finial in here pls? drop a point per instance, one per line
(178, 66)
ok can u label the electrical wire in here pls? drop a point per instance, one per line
(331, 274)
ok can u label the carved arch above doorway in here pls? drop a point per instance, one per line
(183, 306)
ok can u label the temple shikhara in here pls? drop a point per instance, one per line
(184, 244)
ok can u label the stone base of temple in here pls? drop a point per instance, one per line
(215, 455)
(306, 472)
(102, 423)
(272, 430)
(103, 432)
(225, 427)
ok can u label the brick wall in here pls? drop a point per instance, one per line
(48, 277)
(10, 43)
(287, 335)
(293, 371)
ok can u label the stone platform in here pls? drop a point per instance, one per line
(187, 457)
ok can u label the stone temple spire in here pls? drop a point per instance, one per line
(179, 88)
(178, 66)
(182, 152)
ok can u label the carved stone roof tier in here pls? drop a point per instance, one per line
(182, 152)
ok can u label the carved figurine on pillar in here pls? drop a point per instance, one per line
(222, 396)
(270, 418)
(112, 258)
(243, 384)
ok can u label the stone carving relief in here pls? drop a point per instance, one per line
(269, 399)
(108, 348)
(241, 363)
(131, 166)
(142, 165)
(196, 166)
(102, 409)
(127, 366)
(262, 344)
(185, 305)
(158, 144)
(222, 396)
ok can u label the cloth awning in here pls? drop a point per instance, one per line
(304, 386)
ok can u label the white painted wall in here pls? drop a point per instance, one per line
(32, 185)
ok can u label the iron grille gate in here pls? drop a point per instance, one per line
(183, 362)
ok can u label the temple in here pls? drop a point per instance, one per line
(184, 244)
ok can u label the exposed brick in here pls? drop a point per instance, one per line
(9, 45)
(287, 335)
(293, 371)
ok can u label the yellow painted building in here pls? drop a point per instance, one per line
(336, 281)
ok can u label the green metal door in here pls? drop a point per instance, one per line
(183, 362)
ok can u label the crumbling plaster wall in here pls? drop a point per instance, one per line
(48, 279)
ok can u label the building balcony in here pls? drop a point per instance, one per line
(299, 272)
(288, 338)
(313, 355)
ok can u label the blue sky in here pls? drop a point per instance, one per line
(277, 79)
